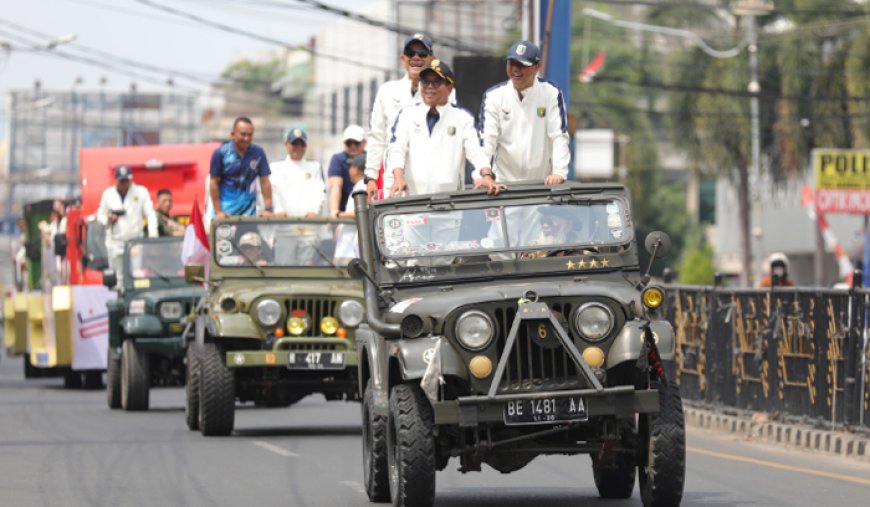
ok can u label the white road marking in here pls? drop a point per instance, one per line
(275, 449)
(353, 485)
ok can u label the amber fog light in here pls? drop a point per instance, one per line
(593, 356)
(480, 366)
(652, 297)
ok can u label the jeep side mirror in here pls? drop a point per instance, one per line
(110, 279)
(194, 273)
(355, 269)
(658, 244)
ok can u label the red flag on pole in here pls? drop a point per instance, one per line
(195, 248)
(592, 69)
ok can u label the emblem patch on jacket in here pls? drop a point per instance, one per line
(451, 131)
(542, 111)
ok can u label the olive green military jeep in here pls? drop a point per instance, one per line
(279, 319)
(503, 328)
(147, 321)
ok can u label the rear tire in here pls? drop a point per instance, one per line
(217, 393)
(411, 448)
(113, 379)
(191, 388)
(375, 472)
(662, 463)
(135, 377)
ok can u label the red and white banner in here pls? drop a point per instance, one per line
(592, 69)
(195, 248)
(843, 201)
(90, 326)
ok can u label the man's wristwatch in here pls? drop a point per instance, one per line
(268, 208)
(490, 174)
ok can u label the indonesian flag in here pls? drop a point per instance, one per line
(592, 69)
(195, 248)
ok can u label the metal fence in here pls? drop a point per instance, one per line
(793, 351)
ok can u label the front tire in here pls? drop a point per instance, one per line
(375, 473)
(410, 448)
(113, 379)
(135, 377)
(191, 388)
(662, 464)
(217, 393)
(616, 478)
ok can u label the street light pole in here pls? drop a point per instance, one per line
(754, 87)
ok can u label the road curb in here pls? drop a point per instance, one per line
(756, 427)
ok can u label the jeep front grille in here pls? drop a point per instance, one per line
(316, 309)
(533, 366)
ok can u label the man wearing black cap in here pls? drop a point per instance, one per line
(523, 123)
(297, 184)
(123, 209)
(430, 142)
(392, 96)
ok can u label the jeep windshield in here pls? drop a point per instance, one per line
(508, 232)
(154, 259)
(290, 243)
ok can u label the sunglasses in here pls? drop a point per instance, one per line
(421, 52)
(433, 83)
(350, 143)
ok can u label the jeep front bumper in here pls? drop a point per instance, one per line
(620, 401)
(280, 355)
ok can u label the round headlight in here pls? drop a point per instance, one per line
(594, 321)
(351, 313)
(474, 329)
(652, 297)
(268, 312)
(171, 310)
(329, 325)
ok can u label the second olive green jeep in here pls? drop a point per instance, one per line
(279, 319)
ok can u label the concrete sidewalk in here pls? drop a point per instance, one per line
(758, 426)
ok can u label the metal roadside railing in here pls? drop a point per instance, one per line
(798, 352)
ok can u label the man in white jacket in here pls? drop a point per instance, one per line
(298, 189)
(123, 210)
(523, 123)
(392, 96)
(430, 142)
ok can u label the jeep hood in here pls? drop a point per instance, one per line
(246, 294)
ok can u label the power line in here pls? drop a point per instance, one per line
(256, 36)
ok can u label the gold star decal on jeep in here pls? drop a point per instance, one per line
(605, 263)
(593, 263)
(581, 264)
(570, 264)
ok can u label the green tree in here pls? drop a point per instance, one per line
(696, 266)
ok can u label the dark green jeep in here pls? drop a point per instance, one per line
(503, 328)
(147, 321)
(279, 320)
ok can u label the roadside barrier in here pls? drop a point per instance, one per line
(794, 351)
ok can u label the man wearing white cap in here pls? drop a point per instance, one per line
(124, 207)
(339, 182)
(523, 123)
(297, 184)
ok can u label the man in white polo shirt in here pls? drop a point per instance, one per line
(523, 124)
(430, 142)
(298, 189)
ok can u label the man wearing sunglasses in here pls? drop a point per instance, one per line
(523, 123)
(340, 184)
(392, 96)
(430, 142)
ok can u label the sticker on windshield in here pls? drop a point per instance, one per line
(614, 220)
(612, 208)
(224, 247)
(394, 223)
(143, 283)
(416, 219)
(487, 243)
(403, 305)
(616, 233)
(493, 215)
(225, 231)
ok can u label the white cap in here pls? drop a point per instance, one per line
(250, 238)
(354, 133)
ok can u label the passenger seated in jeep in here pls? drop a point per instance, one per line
(560, 225)
(250, 251)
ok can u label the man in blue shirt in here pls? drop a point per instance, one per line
(236, 167)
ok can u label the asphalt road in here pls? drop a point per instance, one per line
(66, 448)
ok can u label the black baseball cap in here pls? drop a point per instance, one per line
(122, 172)
(419, 37)
(524, 52)
(441, 69)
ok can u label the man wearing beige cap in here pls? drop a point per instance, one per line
(339, 182)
